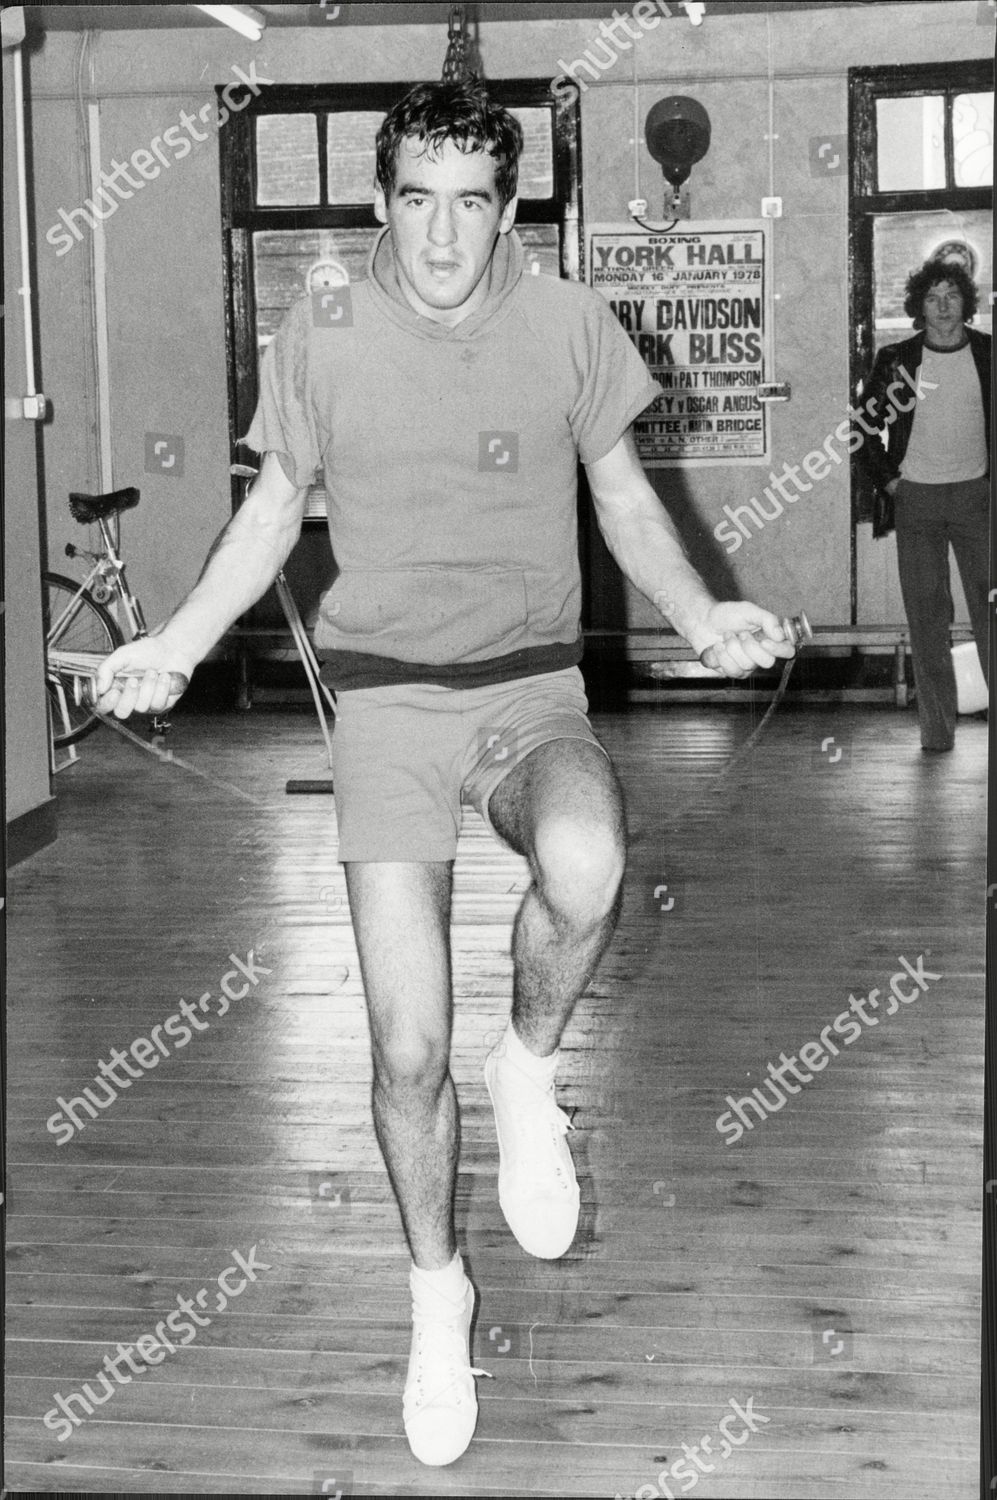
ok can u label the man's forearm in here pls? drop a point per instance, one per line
(243, 562)
(650, 553)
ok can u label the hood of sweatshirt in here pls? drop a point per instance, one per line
(506, 271)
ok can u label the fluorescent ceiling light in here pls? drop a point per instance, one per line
(241, 18)
(12, 22)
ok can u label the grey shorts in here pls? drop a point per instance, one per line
(405, 757)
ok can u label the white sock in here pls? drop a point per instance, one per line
(542, 1069)
(449, 1282)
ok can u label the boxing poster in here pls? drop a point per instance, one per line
(694, 300)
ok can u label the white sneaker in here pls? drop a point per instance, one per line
(440, 1405)
(538, 1191)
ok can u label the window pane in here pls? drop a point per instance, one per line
(902, 242)
(910, 143)
(542, 247)
(286, 160)
(536, 165)
(973, 139)
(283, 258)
(350, 134)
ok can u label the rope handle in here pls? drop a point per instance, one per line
(83, 666)
(796, 628)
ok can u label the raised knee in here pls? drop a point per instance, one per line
(580, 868)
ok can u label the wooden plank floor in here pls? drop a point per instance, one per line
(824, 1268)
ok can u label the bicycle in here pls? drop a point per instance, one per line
(80, 631)
(76, 622)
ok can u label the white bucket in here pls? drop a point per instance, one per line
(970, 685)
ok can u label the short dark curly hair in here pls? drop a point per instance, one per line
(920, 282)
(458, 112)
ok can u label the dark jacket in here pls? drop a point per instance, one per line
(878, 463)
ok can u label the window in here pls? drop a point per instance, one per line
(973, 139)
(910, 142)
(298, 169)
(934, 141)
(287, 169)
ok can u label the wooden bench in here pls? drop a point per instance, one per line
(648, 644)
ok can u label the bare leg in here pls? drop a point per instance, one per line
(401, 920)
(562, 808)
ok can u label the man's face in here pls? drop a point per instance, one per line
(943, 313)
(445, 218)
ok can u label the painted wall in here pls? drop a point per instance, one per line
(164, 265)
(26, 736)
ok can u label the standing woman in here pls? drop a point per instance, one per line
(929, 397)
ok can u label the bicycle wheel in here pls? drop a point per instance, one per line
(87, 627)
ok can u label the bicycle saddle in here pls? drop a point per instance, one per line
(87, 508)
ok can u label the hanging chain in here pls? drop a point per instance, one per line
(458, 66)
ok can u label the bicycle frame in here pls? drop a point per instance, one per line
(110, 569)
(69, 663)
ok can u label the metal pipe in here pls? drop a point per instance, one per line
(22, 216)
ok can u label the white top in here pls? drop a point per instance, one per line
(948, 442)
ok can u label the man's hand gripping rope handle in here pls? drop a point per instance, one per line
(796, 629)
